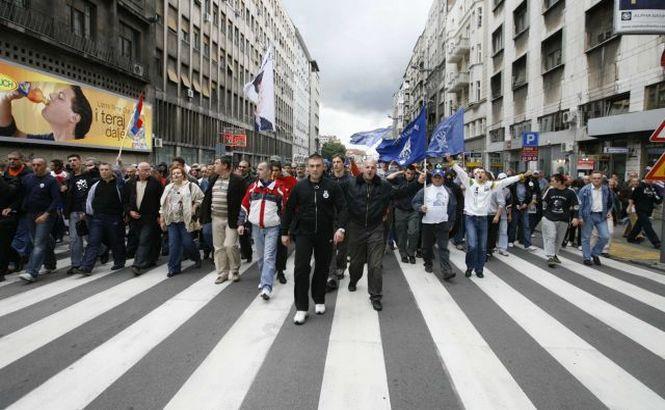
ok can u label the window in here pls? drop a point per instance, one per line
(497, 40)
(172, 71)
(599, 23)
(551, 51)
(519, 72)
(547, 4)
(480, 17)
(518, 128)
(215, 15)
(129, 41)
(185, 30)
(553, 122)
(521, 18)
(497, 85)
(479, 49)
(477, 90)
(206, 46)
(498, 135)
(614, 105)
(82, 20)
(654, 96)
(172, 20)
(197, 38)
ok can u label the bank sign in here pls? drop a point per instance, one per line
(639, 16)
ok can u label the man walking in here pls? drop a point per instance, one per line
(338, 260)
(287, 183)
(407, 217)
(143, 195)
(643, 200)
(221, 206)
(368, 198)
(314, 205)
(559, 205)
(246, 240)
(595, 207)
(438, 205)
(10, 202)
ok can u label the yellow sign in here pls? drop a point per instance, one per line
(657, 172)
(47, 109)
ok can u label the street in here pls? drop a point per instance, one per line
(524, 336)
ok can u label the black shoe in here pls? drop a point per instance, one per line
(331, 285)
(588, 262)
(81, 271)
(117, 267)
(281, 278)
(480, 275)
(449, 276)
(197, 264)
(171, 274)
(429, 268)
(352, 287)
(419, 253)
(564, 244)
(248, 259)
(72, 270)
(551, 263)
(468, 273)
(104, 258)
(137, 271)
(412, 260)
(405, 259)
(376, 304)
(635, 240)
(151, 265)
(596, 260)
(556, 259)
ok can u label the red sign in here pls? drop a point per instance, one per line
(659, 134)
(586, 164)
(529, 154)
(235, 140)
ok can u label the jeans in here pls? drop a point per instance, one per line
(597, 220)
(367, 246)
(147, 241)
(503, 234)
(109, 228)
(224, 239)
(407, 229)
(521, 220)
(76, 246)
(180, 241)
(476, 242)
(644, 223)
(437, 233)
(206, 238)
(43, 243)
(553, 234)
(492, 233)
(320, 245)
(265, 241)
(21, 241)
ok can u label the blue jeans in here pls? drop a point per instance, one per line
(76, 247)
(206, 236)
(265, 240)
(597, 220)
(43, 243)
(520, 220)
(21, 242)
(109, 228)
(180, 241)
(476, 242)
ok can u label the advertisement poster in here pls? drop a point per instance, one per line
(639, 17)
(42, 108)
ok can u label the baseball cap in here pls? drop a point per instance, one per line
(438, 170)
(502, 176)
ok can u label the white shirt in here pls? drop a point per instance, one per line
(597, 196)
(436, 201)
(140, 190)
(477, 196)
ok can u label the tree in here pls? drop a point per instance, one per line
(329, 149)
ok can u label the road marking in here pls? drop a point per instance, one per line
(94, 372)
(650, 337)
(354, 375)
(26, 340)
(479, 377)
(226, 374)
(612, 385)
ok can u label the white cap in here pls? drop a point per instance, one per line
(502, 176)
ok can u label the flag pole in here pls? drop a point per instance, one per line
(124, 137)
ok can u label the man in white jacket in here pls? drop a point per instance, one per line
(478, 191)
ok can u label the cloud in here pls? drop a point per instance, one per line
(343, 123)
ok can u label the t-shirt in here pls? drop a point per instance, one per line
(436, 201)
(80, 188)
(140, 191)
(560, 204)
(174, 205)
(220, 204)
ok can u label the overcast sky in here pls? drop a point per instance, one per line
(362, 47)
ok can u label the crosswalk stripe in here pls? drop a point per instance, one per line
(633, 269)
(14, 277)
(481, 380)
(628, 289)
(609, 382)
(227, 373)
(354, 375)
(641, 332)
(93, 373)
(26, 340)
(36, 295)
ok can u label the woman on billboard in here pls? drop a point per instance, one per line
(67, 112)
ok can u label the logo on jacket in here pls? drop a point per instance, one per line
(325, 194)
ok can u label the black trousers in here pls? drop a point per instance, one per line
(321, 246)
(7, 231)
(147, 241)
(246, 242)
(367, 246)
(282, 255)
(437, 233)
(644, 223)
(492, 234)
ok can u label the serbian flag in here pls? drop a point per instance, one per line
(137, 122)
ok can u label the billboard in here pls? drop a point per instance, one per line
(41, 108)
(639, 16)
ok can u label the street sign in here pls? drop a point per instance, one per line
(586, 164)
(659, 134)
(657, 172)
(234, 140)
(529, 154)
(530, 139)
(615, 150)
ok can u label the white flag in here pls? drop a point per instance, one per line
(261, 91)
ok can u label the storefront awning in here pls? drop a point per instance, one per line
(638, 121)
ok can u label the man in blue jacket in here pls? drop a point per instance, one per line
(595, 208)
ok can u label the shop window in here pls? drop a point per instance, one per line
(654, 96)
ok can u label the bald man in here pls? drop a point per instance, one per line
(142, 207)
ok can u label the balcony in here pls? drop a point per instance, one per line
(49, 28)
(458, 81)
(457, 48)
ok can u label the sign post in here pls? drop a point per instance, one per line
(529, 147)
(657, 173)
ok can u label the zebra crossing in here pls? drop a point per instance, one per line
(525, 336)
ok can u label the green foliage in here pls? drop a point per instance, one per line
(329, 149)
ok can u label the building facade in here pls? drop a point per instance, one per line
(101, 44)
(555, 67)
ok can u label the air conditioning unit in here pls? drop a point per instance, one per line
(569, 117)
(190, 93)
(137, 69)
(157, 143)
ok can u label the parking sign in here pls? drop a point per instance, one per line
(530, 139)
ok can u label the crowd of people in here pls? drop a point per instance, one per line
(339, 213)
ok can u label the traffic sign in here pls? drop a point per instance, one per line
(529, 154)
(659, 134)
(530, 139)
(657, 172)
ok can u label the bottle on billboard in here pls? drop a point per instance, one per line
(33, 94)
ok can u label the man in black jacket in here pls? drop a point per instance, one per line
(643, 199)
(10, 200)
(221, 206)
(407, 220)
(143, 194)
(310, 215)
(340, 251)
(246, 240)
(367, 199)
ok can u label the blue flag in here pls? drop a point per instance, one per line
(370, 138)
(448, 137)
(411, 144)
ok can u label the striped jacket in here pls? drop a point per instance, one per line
(262, 204)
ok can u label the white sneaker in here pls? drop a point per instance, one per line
(531, 248)
(503, 253)
(300, 317)
(510, 245)
(265, 293)
(27, 277)
(320, 309)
